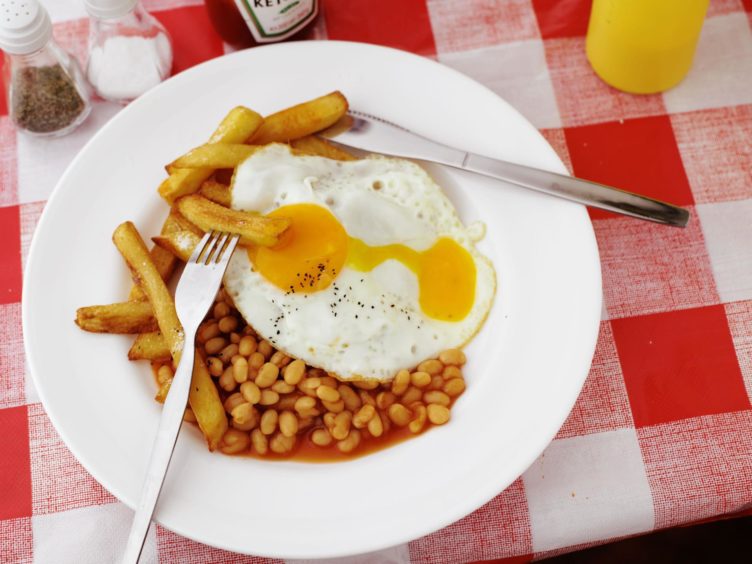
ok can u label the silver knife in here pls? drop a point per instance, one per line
(374, 134)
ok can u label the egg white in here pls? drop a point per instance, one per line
(365, 324)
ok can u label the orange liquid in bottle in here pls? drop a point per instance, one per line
(644, 46)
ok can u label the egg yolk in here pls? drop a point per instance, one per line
(311, 252)
(445, 272)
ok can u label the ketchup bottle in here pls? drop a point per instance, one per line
(245, 23)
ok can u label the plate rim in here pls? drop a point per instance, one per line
(451, 516)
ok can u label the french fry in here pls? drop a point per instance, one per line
(313, 145)
(180, 244)
(206, 404)
(204, 401)
(150, 346)
(345, 123)
(216, 192)
(132, 316)
(126, 317)
(237, 127)
(164, 387)
(301, 120)
(145, 274)
(217, 155)
(164, 261)
(182, 224)
(253, 229)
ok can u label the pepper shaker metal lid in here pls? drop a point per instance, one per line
(109, 8)
(25, 26)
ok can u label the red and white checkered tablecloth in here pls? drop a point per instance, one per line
(662, 432)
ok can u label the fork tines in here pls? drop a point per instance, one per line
(212, 247)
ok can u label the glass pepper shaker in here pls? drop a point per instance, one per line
(46, 92)
(129, 50)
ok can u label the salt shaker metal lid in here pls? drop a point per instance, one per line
(109, 8)
(25, 26)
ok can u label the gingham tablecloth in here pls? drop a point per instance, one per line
(662, 432)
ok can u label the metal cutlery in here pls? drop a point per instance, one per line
(196, 290)
(371, 133)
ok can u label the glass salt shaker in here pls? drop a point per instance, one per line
(46, 92)
(129, 50)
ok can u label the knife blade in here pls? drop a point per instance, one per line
(374, 134)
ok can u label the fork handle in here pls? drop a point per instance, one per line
(578, 190)
(161, 454)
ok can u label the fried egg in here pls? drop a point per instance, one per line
(376, 272)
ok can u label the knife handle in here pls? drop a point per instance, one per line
(581, 191)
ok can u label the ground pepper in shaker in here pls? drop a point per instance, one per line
(129, 50)
(46, 91)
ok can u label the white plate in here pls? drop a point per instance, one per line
(525, 368)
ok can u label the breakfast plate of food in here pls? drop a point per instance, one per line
(393, 344)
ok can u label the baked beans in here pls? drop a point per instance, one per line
(277, 405)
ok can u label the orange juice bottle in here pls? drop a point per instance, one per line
(644, 46)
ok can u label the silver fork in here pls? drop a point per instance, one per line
(195, 293)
